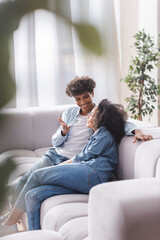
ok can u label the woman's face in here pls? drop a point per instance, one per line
(85, 102)
(90, 119)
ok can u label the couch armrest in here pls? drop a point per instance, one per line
(147, 159)
(123, 210)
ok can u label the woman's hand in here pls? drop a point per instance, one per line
(65, 162)
(140, 136)
(65, 127)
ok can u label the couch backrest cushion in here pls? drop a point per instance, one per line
(45, 124)
(31, 128)
(16, 130)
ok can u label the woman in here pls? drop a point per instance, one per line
(80, 173)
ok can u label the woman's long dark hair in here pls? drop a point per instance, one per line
(112, 117)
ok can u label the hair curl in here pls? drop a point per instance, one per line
(80, 85)
(112, 117)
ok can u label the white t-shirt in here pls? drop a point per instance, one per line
(77, 138)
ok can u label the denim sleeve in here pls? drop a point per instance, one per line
(129, 127)
(57, 138)
(93, 150)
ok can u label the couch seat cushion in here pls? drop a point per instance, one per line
(16, 153)
(57, 216)
(34, 235)
(61, 199)
(40, 151)
(75, 229)
(23, 165)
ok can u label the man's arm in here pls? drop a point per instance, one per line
(58, 139)
(138, 135)
(132, 130)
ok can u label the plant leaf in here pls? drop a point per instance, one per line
(89, 37)
(5, 169)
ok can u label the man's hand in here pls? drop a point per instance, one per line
(140, 136)
(65, 127)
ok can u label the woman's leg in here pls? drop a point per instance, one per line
(76, 176)
(34, 199)
(50, 158)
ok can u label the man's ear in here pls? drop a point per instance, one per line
(93, 94)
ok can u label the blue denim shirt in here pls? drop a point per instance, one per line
(70, 116)
(100, 153)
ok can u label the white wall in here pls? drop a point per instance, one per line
(134, 16)
(148, 21)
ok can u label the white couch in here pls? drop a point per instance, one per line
(26, 134)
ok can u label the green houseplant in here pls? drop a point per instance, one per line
(143, 87)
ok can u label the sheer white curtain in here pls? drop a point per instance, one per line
(104, 69)
(48, 54)
(42, 60)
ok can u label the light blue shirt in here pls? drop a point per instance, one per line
(70, 116)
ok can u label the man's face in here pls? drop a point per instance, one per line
(85, 102)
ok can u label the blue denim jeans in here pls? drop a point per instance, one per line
(34, 199)
(63, 179)
(50, 158)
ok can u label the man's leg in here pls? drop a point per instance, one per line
(50, 158)
(34, 199)
(75, 176)
(79, 177)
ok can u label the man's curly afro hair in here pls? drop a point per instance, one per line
(80, 85)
